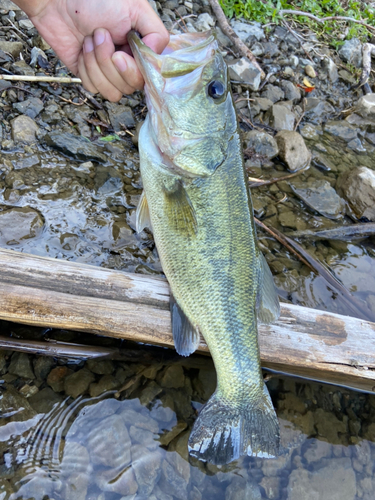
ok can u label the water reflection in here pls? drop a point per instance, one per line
(130, 443)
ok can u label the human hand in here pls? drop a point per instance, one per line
(84, 35)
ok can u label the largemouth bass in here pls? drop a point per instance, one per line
(198, 205)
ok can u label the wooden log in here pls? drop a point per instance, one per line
(53, 293)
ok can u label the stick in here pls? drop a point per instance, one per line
(367, 51)
(324, 19)
(56, 79)
(259, 182)
(238, 43)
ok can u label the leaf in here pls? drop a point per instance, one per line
(110, 138)
(308, 84)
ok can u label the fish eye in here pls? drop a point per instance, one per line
(216, 89)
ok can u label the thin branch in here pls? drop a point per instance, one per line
(367, 51)
(227, 30)
(322, 20)
(56, 79)
(259, 182)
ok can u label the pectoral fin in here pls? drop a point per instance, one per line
(268, 306)
(181, 213)
(142, 216)
(185, 336)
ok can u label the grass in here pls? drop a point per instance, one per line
(266, 11)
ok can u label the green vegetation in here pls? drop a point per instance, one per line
(266, 11)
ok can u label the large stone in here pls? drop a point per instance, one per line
(7, 5)
(281, 118)
(262, 143)
(244, 71)
(329, 426)
(56, 378)
(15, 407)
(273, 93)
(21, 365)
(351, 52)
(242, 489)
(117, 481)
(317, 450)
(358, 187)
(334, 481)
(77, 147)
(13, 48)
(293, 150)
(365, 106)
(24, 129)
(147, 468)
(291, 91)
(173, 377)
(320, 196)
(78, 382)
(317, 110)
(204, 22)
(18, 224)
(120, 116)
(341, 129)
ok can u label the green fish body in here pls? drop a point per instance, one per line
(198, 205)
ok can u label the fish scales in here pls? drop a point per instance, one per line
(199, 207)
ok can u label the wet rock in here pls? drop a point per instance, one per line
(143, 437)
(317, 110)
(293, 150)
(13, 48)
(26, 162)
(273, 93)
(334, 481)
(78, 382)
(323, 161)
(341, 129)
(204, 22)
(309, 131)
(77, 147)
(24, 129)
(329, 426)
(143, 421)
(14, 406)
(320, 196)
(18, 224)
(246, 30)
(56, 378)
(44, 400)
(172, 481)
(262, 143)
(351, 52)
(120, 116)
(21, 68)
(317, 450)
(281, 118)
(147, 468)
(365, 106)
(109, 443)
(205, 383)
(31, 107)
(291, 92)
(242, 489)
(271, 487)
(310, 71)
(150, 393)
(242, 70)
(37, 482)
(173, 377)
(121, 481)
(362, 452)
(100, 367)
(105, 384)
(75, 470)
(21, 365)
(167, 437)
(357, 186)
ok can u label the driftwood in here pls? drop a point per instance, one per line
(305, 342)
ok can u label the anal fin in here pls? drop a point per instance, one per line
(268, 306)
(142, 216)
(185, 336)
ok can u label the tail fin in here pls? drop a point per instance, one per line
(224, 430)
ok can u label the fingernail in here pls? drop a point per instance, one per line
(88, 45)
(119, 62)
(99, 37)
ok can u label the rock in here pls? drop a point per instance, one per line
(105, 384)
(21, 365)
(109, 443)
(15, 406)
(26, 162)
(26, 24)
(317, 110)
(366, 124)
(167, 437)
(7, 5)
(281, 118)
(329, 426)
(270, 49)
(222, 38)
(143, 421)
(320, 196)
(44, 400)
(122, 482)
(341, 129)
(246, 30)
(56, 378)
(365, 106)
(175, 476)
(309, 131)
(242, 70)
(331, 68)
(351, 52)
(77, 147)
(262, 143)
(292, 93)
(75, 468)
(257, 49)
(13, 48)
(77, 115)
(271, 487)
(78, 382)
(24, 129)
(292, 150)
(21, 68)
(173, 377)
(147, 468)
(18, 224)
(310, 71)
(263, 103)
(273, 93)
(204, 22)
(143, 437)
(120, 115)
(334, 481)
(242, 489)
(205, 383)
(149, 393)
(100, 367)
(346, 76)
(358, 187)
(317, 450)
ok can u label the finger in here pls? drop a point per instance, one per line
(82, 73)
(95, 74)
(123, 80)
(151, 27)
(128, 70)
